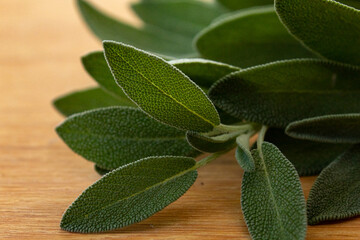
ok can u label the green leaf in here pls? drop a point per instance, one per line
(115, 136)
(203, 72)
(160, 89)
(101, 171)
(130, 194)
(336, 192)
(279, 93)
(342, 128)
(185, 17)
(249, 37)
(308, 157)
(351, 3)
(148, 37)
(87, 99)
(236, 4)
(208, 144)
(272, 200)
(243, 154)
(329, 28)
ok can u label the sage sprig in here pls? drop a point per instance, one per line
(280, 84)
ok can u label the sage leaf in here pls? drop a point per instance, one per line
(115, 136)
(148, 37)
(203, 72)
(342, 128)
(208, 144)
(351, 3)
(279, 93)
(160, 89)
(272, 200)
(334, 33)
(243, 154)
(185, 17)
(249, 37)
(308, 157)
(87, 99)
(101, 171)
(336, 192)
(130, 194)
(235, 4)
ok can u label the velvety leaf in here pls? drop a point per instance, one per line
(272, 199)
(336, 192)
(87, 99)
(160, 89)
(327, 27)
(115, 136)
(351, 3)
(342, 128)
(279, 93)
(130, 194)
(148, 37)
(185, 17)
(249, 37)
(203, 72)
(243, 154)
(239, 4)
(100, 170)
(208, 144)
(308, 157)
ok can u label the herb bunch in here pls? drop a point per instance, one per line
(207, 77)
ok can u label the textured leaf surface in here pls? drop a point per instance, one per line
(325, 26)
(207, 144)
(148, 37)
(342, 128)
(272, 200)
(279, 93)
(115, 136)
(336, 192)
(308, 157)
(236, 4)
(160, 89)
(100, 170)
(248, 38)
(185, 17)
(130, 194)
(243, 154)
(87, 99)
(203, 72)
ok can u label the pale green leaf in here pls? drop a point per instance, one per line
(272, 199)
(279, 93)
(325, 26)
(243, 154)
(87, 99)
(115, 136)
(147, 37)
(308, 157)
(342, 128)
(130, 194)
(249, 37)
(239, 4)
(336, 192)
(160, 89)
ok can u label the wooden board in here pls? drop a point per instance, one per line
(40, 45)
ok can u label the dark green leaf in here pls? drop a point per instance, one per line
(342, 128)
(336, 192)
(279, 93)
(203, 72)
(239, 4)
(115, 136)
(86, 100)
(272, 200)
(184, 17)
(208, 144)
(160, 89)
(243, 154)
(351, 3)
(249, 37)
(130, 194)
(327, 27)
(148, 37)
(309, 158)
(100, 170)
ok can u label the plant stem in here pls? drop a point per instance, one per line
(210, 158)
(260, 139)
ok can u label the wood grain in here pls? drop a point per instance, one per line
(40, 45)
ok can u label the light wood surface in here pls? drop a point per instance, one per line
(40, 45)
